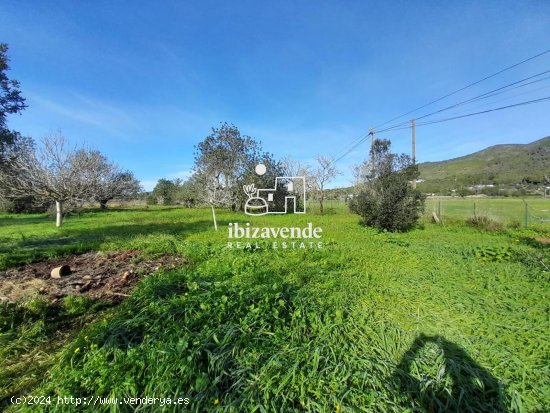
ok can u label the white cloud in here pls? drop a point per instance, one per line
(90, 112)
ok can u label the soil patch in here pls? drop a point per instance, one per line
(108, 276)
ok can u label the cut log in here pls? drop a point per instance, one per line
(62, 271)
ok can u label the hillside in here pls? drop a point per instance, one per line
(500, 164)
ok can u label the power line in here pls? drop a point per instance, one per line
(363, 136)
(445, 120)
(491, 93)
(508, 97)
(487, 111)
(466, 87)
(361, 140)
(475, 113)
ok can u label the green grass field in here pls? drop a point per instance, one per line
(505, 210)
(443, 318)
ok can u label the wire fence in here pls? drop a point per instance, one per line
(506, 210)
(525, 212)
(329, 206)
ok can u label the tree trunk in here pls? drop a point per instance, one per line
(321, 200)
(58, 213)
(103, 204)
(214, 217)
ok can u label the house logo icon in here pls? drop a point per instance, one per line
(287, 196)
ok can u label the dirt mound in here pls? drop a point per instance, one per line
(108, 276)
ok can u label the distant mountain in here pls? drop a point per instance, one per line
(499, 164)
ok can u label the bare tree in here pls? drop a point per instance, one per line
(112, 182)
(323, 174)
(55, 171)
(292, 167)
(213, 187)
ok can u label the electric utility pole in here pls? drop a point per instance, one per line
(413, 126)
(371, 133)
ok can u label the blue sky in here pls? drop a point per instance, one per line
(145, 81)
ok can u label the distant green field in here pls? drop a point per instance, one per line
(506, 210)
(443, 318)
(503, 209)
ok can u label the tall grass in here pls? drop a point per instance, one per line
(430, 320)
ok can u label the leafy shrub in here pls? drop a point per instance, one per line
(493, 253)
(397, 208)
(484, 222)
(387, 200)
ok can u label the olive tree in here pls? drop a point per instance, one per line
(188, 192)
(224, 162)
(11, 102)
(164, 191)
(386, 199)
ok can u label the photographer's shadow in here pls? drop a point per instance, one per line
(459, 385)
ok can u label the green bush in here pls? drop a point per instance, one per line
(393, 206)
(388, 200)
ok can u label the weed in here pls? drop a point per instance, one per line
(485, 223)
(75, 304)
(487, 253)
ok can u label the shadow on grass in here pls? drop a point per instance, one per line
(472, 387)
(133, 209)
(87, 239)
(540, 243)
(31, 335)
(24, 219)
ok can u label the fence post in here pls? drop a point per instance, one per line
(439, 212)
(475, 212)
(526, 214)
